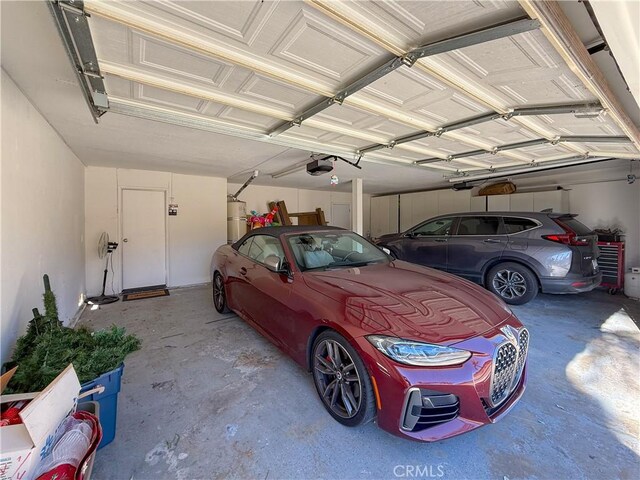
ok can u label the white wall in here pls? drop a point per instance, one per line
(192, 236)
(258, 197)
(42, 191)
(610, 205)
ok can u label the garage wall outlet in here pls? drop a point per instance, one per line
(173, 209)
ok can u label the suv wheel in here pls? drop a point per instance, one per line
(513, 283)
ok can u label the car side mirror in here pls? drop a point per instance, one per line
(273, 263)
(410, 235)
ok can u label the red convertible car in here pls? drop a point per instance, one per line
(427, 354)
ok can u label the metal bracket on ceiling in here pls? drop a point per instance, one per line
(537, 167)
(495, 32)
(355, 164)
(71, 21)
(488, 117)
(530, 143)
(73, 6)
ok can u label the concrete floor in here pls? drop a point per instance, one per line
(208, 397)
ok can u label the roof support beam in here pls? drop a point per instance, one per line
(530, 143)
(576, 109)
(508, 29)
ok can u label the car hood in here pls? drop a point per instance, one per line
(410, 301)
(388, 237)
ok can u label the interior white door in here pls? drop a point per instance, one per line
(143, 238)
(341, 215)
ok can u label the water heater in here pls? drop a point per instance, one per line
(236, 220)
(237, 213)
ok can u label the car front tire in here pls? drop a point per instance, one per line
(219, 294)
(342, 381)
(513, 283)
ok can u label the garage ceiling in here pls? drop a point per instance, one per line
(183, 78)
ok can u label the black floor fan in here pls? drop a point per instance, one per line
(105, 249)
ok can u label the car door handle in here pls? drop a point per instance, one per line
(492, 240)
(440, 240)
(243, 271)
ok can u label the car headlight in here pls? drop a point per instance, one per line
(421, 354)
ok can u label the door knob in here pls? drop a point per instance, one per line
(125, 240)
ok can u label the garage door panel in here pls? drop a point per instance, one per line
(159, 58)
(112, 40)
(450, 107)
(609, 147)
(539, 152)
(155, 54)
(346, 115)
(442, 144)
(569, 124)
(311, 41)
(158, 96)
(271, 91)
(411, 24)
(238, 21)
(248, 118)
(498, 132)
(406, 88)
(119, 87)
(412, 90)
(291, 34)
(389, 128)
(528, 72)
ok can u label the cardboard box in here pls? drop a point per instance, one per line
(23, 446)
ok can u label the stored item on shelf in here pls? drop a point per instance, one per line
(608, 235)
(501, 188)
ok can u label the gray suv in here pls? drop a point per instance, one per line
(513, 254)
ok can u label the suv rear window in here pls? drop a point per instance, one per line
(479, 226)
(518, 224)
(578, 227)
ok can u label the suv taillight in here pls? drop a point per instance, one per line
(567, 238)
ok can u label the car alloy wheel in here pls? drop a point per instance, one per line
(341, 380)
(514, 283)
(509, 284)
(219, 297)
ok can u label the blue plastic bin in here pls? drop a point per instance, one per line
(108, 401)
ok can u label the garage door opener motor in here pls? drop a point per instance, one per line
(105, 249)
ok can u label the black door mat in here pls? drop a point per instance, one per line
(140, 294)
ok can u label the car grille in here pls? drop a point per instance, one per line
(425, 409)
(507, 368)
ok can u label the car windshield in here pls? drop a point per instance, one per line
(333, 249)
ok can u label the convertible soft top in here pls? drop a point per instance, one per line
(277, 231)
